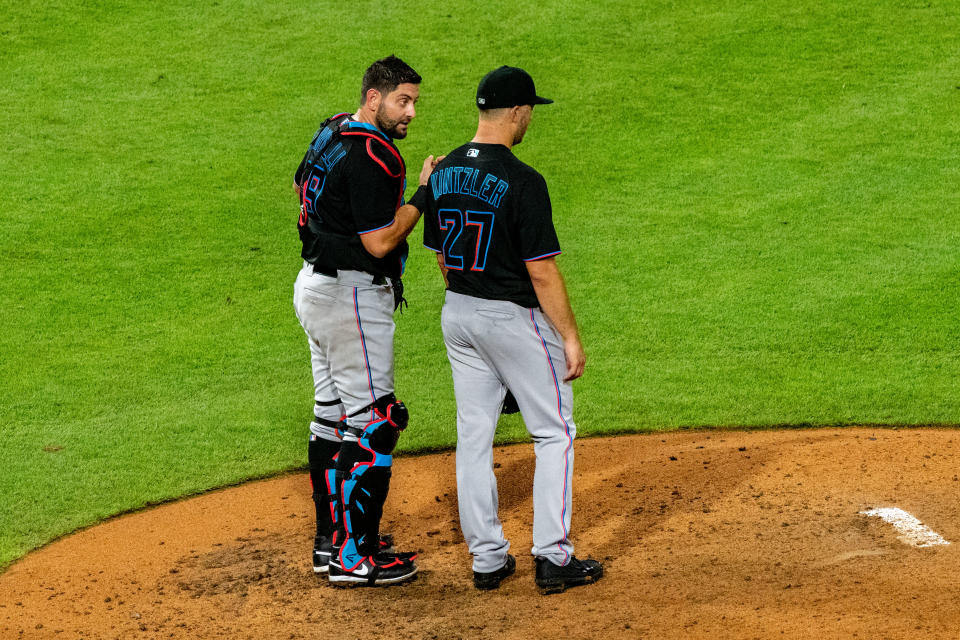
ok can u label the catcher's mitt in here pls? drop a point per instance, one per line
(510, 404)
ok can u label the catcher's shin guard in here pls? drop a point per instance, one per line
(334, 481)
(365, 466)
(325, 442)
(321, 455)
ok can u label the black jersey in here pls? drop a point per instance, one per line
(351, 182)
(488, 213)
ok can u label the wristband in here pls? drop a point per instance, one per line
(419, 198)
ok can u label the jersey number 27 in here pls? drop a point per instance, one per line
(453, 223)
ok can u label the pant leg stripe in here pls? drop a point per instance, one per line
(566, 453)
(363, 343)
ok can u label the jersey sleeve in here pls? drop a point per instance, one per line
(538, 238)
(301, 172)
(431, 225)
(375, 185)
(305, 166)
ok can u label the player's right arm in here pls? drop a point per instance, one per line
(539, 247)
(382, 241)
(552, 295)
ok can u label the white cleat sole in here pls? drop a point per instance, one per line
(353, 579)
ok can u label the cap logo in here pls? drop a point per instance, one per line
(482, 100)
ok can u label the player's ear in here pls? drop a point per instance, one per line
(372, 99)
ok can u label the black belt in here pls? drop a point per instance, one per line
(324, 271)
(332, 273)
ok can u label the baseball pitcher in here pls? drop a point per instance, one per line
(508, 327)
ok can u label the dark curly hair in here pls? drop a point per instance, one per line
(386, 74)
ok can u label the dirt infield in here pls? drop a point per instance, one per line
(704, 534)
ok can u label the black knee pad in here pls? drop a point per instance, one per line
(394, 411)
(390, 417)
(381, 437)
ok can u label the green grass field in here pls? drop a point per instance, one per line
(758, 206)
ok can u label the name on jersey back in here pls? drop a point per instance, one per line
(466, 181)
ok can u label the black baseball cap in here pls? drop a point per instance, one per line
(507, 87)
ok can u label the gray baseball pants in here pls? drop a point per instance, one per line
(493, 345)
(349, 323)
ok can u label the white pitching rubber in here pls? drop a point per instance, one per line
(912, 531)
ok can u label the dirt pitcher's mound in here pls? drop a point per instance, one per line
(707, 534)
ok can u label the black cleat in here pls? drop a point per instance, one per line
(402, 556)
(372, 571)
(386, 549)
(386, 543)
(553, 578)
(492, 580)
(323, 548)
